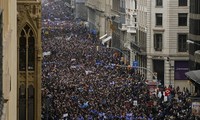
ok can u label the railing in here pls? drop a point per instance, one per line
(1, 106)
(131, 29)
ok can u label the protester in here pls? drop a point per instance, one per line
(82, 82)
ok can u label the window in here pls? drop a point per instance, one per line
(159, 2)
(31, 51)
(182, 44)
(182, 19)
(22, 102)
(26, 38)
(158, 19)
(194, 26)
(182, 2)
(22, 51)
(158, 42)
(31, 102)
(194, 6)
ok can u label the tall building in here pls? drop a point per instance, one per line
(99, 15)
(29, 60)
(194, 35)
(128, 36)
(163, 28)
(118, 22)
(8, 59)
(194, 46)
(125, 26)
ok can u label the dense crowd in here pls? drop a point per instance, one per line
(81, 81)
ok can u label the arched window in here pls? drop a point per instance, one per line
(31, 102)
(22, 102)
(26, 49)
(22, 51)
(31, 51)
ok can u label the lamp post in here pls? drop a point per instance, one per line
(192, 42)
(152, 73)
(168, 59)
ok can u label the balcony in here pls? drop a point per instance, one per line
(122, 27)
(98, 5)
(132, 26)
(90, 4)
(131, 29)
(135, 47)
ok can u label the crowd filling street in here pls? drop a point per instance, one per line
(81, 78)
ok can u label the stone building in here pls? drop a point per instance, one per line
(29, 60)
(80, 9)
(163, 28)
(99, 16)
(8, 59)
(194, 46)
(20, 60)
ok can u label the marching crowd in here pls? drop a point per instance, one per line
(81, 81)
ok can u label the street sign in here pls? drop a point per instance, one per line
(135, 64)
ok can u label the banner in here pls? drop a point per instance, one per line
(196, 108)
(181, 67)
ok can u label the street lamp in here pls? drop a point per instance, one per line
(192, 42)
(170, 70)
(152, 73)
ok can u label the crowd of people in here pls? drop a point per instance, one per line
(81, 81)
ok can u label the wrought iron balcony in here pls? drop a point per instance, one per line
(136, 47)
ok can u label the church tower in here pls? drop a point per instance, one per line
(29, 59)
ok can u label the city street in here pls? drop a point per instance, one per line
(81, 81)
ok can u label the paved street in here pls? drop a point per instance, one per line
(82, 81)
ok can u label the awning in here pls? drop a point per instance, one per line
(102, 36)
(194, 76)
(106, 39)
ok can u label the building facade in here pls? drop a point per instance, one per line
(194, 48)
(194, 35)
(29, 60)
(125, 26)
(118, 23)
(98, 15)
(163, 28)
(80, 9)
(131, 29)
(8, 58)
